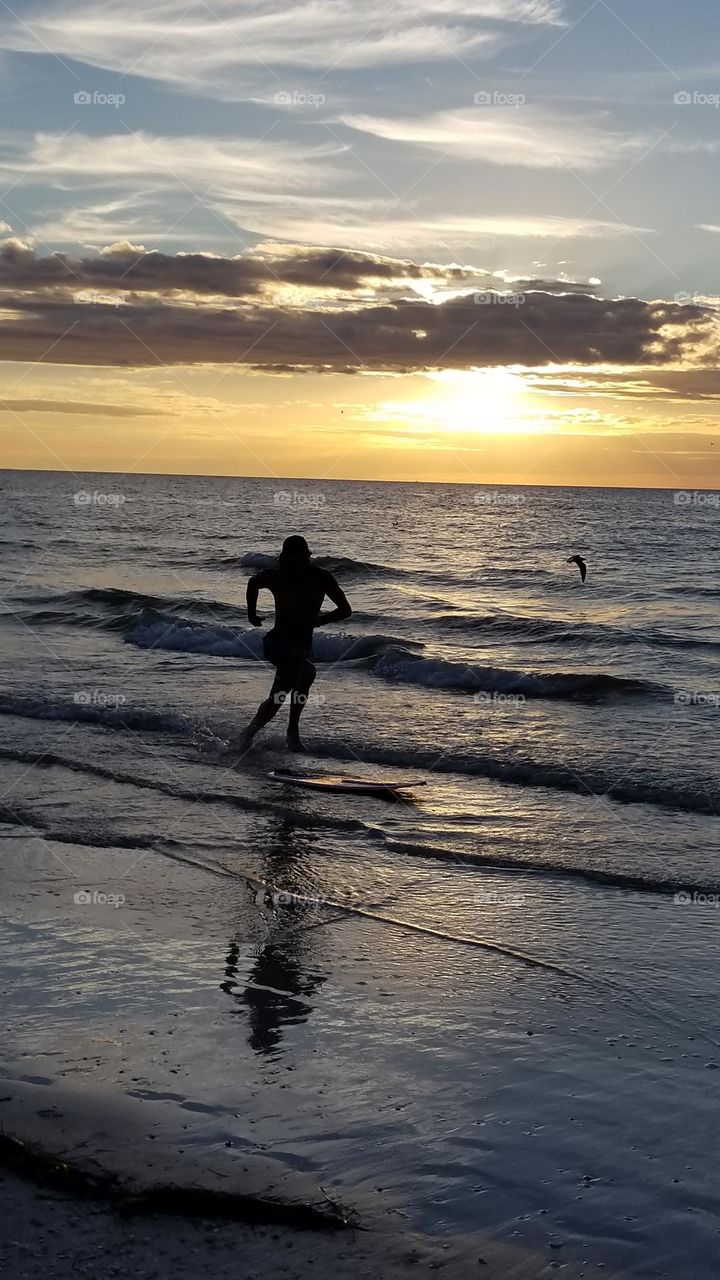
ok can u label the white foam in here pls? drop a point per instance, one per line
(158, 631)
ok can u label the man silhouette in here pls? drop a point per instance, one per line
(299, 588)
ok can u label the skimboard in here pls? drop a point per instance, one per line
(388, 787)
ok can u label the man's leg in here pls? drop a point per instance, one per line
(301, 686)
(267, 710)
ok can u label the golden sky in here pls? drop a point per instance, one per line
(458, 240)
(494, 426)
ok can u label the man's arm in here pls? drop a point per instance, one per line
(254, 587)
(342, 611)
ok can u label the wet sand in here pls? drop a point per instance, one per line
(454, 1102)
(63, 1238)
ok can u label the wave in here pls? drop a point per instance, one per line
(197, 795)
(566, 630)
(685, 590)
(90, 708)
(111, 608)
(439, 673)
(154, 630)
(700, 797)
(343, 565)
(605, 877)
(346, 565)
(179, 852)
(627, 880)
(391, 659)
(18, 544)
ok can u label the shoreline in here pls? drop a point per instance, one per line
(99, 1147)
(94, 1153)
(83, 1238)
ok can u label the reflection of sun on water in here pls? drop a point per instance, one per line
(481, 402)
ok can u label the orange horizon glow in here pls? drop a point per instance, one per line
(502, 426)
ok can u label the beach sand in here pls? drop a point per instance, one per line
(446, 1102)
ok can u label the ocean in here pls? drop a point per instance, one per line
(465, 985)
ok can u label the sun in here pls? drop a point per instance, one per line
(466, 402)
(461, 402)
(479, 401)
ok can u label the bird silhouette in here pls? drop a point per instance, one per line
(578, 560)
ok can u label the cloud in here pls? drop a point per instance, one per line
(294, 272)
(100, 222)
(686, 385)
(78, 406)
(193, 163)
(171, 189)
(384, 231)
(376, 335)
(528, 136)
(224, 49)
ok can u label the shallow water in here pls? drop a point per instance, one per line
(436, 978)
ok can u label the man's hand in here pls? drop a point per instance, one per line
(251, 599)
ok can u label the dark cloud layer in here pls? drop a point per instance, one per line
(41, 319)
(126, 267)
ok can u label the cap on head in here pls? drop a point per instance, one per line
(294, 549)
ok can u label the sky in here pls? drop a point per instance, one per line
(455, 240)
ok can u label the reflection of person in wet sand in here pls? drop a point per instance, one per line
(278, 989)
(276, 992)
(299, 588)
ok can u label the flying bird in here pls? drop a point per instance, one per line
(578, 560)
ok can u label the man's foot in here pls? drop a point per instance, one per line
(242, 744)
(295, 743)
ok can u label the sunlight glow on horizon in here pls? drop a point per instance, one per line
(484, 402)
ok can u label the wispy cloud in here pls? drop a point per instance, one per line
(155, 189)
(528, 136)
(80, 407)
(383, 231)
(672, 385)
(197, 163)
(143, 185)
(205, 47)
